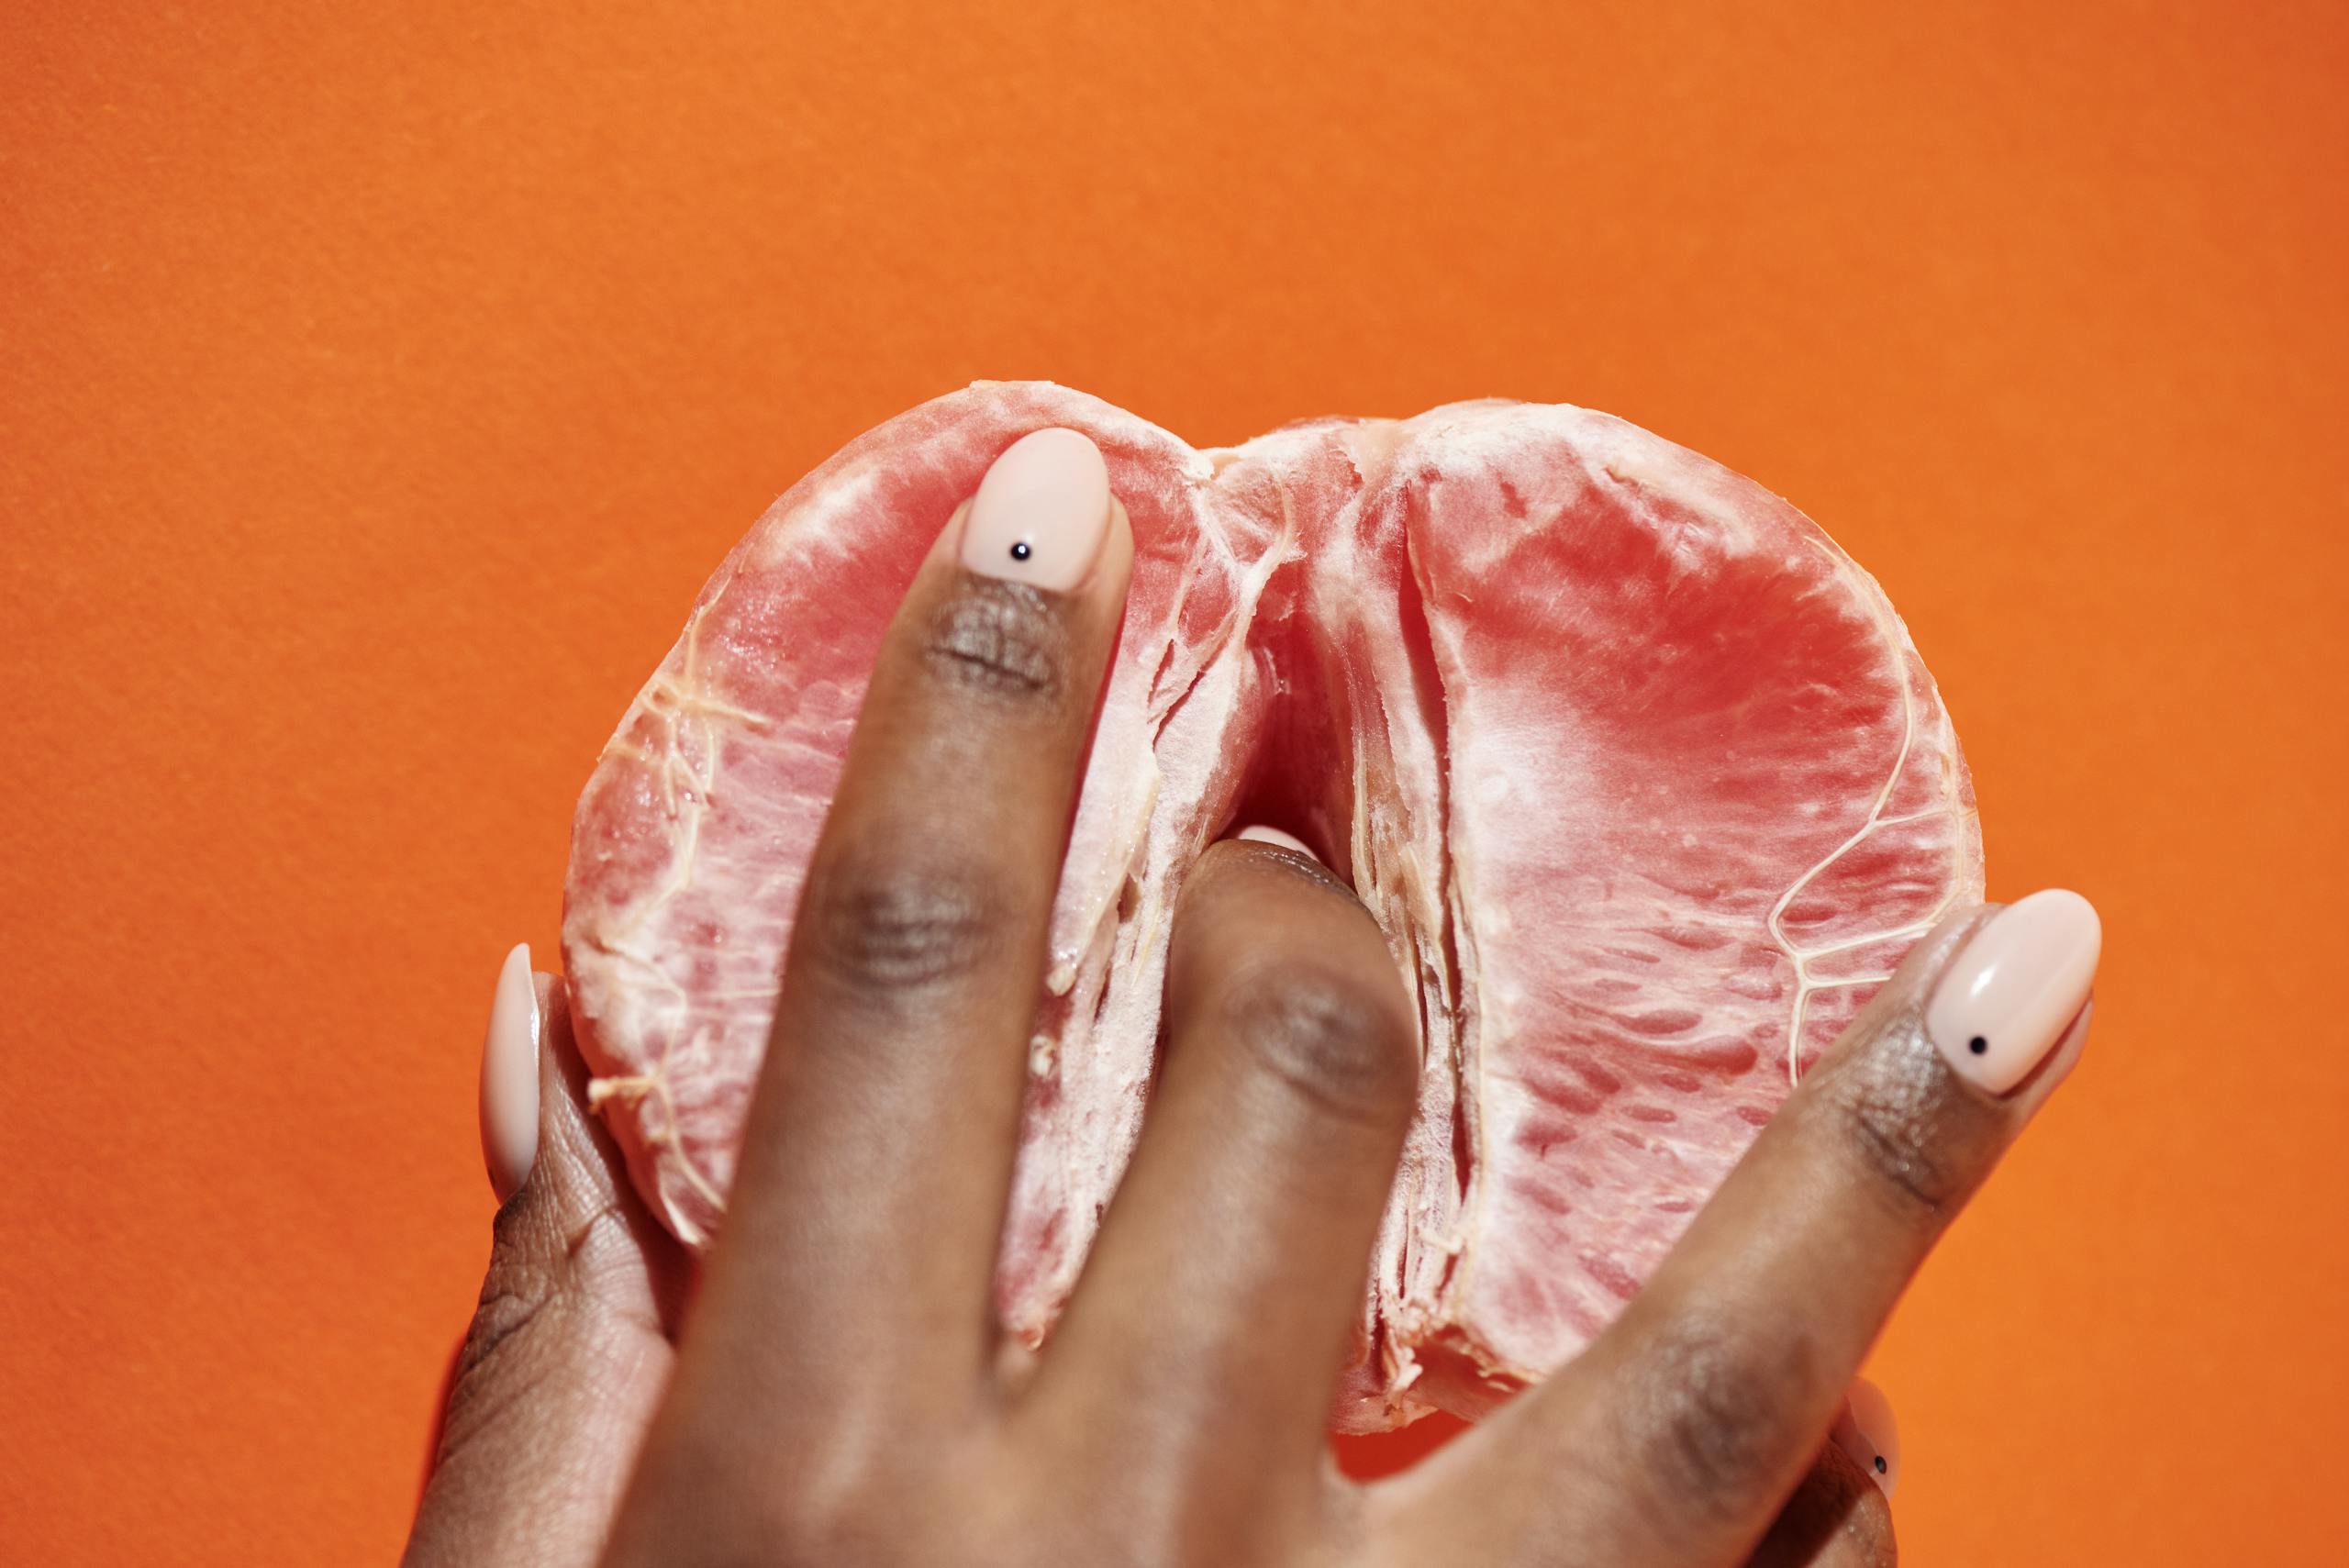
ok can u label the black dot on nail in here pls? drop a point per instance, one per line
(1978, 1046)
(1880, 1466)
(1023, 551)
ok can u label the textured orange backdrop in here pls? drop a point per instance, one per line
(378, 381)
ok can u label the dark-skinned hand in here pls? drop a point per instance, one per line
(840, 1394)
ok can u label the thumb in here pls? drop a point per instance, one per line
(570, 1345)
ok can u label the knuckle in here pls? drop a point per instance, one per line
(543, 1295)
(814, 1507)
(999, 640)
(882, 925)
(519, 1289)
(1710, 1417)
(1326, 1038)
(1885, 1123)
(507, 1314)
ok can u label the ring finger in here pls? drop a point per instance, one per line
(1687, 1424)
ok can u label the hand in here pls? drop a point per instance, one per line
(842, 1396)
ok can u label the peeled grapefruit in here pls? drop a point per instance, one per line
(1639, 773)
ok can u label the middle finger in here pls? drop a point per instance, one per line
(1228, 1273)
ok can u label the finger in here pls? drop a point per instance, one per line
(1868, 1433)
(1695, 1413)
(509, 1077)
(863, 1227)
(1228, 1277)
(1838, 1518)
(569, 1348)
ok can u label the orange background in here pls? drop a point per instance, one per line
(378, 381)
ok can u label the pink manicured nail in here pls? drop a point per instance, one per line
(509, 1077)
(2016, 984)
(1868, 1433)
(1274, 836)
(1042, 512)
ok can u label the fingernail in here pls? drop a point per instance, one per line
(1042, 512)
(2006, 999)
(1868, 1433)
(1274, 836)
(509, 1077)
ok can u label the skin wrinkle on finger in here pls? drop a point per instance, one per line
(1704, 1407)
(528, 1367)
(1009, 640)
(1890, 1108)
(999, 640)
(532, 1285)
(1316, 1037)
